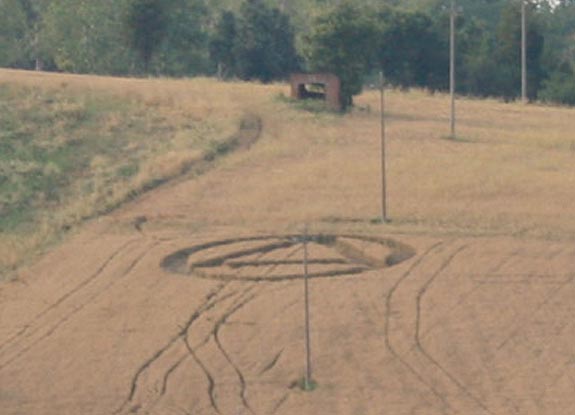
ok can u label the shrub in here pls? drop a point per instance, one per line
(559, 88)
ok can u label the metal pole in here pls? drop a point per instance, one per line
(523, 52)
(452, 67)
(383, 167)
(307, 380)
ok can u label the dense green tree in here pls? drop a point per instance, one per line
(507, 53)
(477, 66)
(13, 33)
(146, 24)
(20, 24)
(222, 45)
(184, 49)
(342, 42)
(560, 87)
(410, 51)
(86, 36)
(559, 26)
(264, 47)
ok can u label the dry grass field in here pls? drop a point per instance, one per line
(189, 298)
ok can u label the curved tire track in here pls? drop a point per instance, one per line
(453, 394)
(45, 334)
(209, 377)
(216, 331)
(387, 329)
(418, 342)
(66, 296)
(212, 300)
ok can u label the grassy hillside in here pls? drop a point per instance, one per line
(74, 147)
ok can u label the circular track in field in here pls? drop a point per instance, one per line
(280, 258)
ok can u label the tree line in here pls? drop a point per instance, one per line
(267, 39)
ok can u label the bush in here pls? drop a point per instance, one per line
(559, 88)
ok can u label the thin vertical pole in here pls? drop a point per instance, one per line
(383, 161)
(452, 67)
(308, 380)
(523, 52)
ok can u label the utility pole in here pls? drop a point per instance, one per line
(452, 67)
(308, 379)
(523, 52)
(383, 167)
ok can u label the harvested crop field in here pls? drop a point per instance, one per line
(189, 299)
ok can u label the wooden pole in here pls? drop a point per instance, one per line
(523, 52)
(383, 161)
(308, 379)
(452, 68)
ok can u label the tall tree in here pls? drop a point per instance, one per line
(222, 44)
(13, 33)
(410, 51)
(20, 24)
(33, 11)
(184, 49)
(86, 36)
(146, 23)
(264, 47)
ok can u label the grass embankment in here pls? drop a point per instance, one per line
(75, 147)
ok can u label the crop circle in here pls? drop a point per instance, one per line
(280, 258)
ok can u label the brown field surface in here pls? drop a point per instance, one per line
(189, 299)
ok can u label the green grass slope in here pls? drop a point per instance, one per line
(68, 154)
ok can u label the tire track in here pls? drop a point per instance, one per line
(192, 351)
(167, 375)
(505, 260)
(245, 298)
(520, 324)
(279, 404)
(242, 299)
(424, 289)
(462, 299)
(217, 327)
(478, 285)
(388, 312)
(65, 297)
(184, 336)
(273, 362)
(211, 391)
(497, 267)
(76, 310)
(247, 295)
(486, 357)
(211, 301)
(210, 378)
(442, 383)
